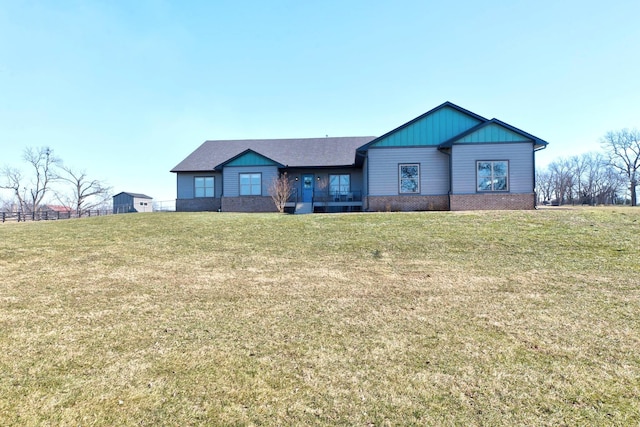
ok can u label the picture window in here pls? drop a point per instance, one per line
(492, 175)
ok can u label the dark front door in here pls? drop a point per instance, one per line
(307, 188)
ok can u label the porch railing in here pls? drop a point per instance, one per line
(293, 197)
(337, 196)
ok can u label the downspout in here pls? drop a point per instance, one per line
(450, 173)
(221, 188)
(533, 162)
(366, 162)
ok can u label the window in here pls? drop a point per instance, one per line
(493, 175)
(339, 184)
(250, 184)
(204, 186)
(409, 178)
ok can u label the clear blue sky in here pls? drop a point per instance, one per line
(127, 89)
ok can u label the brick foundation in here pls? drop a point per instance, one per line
(248, 204)
(198, 205)
(470, 202)
(407, 203)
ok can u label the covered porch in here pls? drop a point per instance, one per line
(324, 201)
(325, 190)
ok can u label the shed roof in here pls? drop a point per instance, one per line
(58, 208)
(136, 195)
(299, 152)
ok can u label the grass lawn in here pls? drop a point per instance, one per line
(483, 318)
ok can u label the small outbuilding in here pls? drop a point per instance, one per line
(132, 202)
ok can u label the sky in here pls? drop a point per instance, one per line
(125, 90)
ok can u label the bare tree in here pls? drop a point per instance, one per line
(8, 205)
(623, 148)
(586, 179)
(544, 185)
(86, 194)
(13, 181)
(42, 161)
(562, 178)
(599, 183)
(280, 189)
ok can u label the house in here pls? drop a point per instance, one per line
(446, 159)
(57, 211)
(132, 202)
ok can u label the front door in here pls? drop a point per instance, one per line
(307, 188)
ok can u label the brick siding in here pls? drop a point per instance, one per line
(469, 202)
(248, 204)
(407, 203)
(198, 205)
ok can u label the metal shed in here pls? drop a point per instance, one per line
(132, 202)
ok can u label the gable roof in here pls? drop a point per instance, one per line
(249, 158)
(494, 131)
(58, 208)
(136, 195)
(436, 126)
(300, 152)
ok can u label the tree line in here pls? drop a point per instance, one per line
(49, 180)
(607, 177)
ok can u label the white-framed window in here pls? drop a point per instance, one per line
(340, 185)
(250, 184)
(409, 178)
(492, 175)
(204, 186)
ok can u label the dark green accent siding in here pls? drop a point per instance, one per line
(433, 129)
(493, 133)
(251, 159)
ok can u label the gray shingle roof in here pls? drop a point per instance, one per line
(302, 152)
(136, 195)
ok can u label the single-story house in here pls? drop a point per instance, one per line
(446, 159)
(58, 209)
(126, 202)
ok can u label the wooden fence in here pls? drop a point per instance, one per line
(49, 215)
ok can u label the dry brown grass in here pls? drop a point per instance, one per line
(492, 318)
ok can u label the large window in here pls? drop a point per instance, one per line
(493, 175)
(250, 184)
(204, 186)
(339, 184)
(409, 178)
